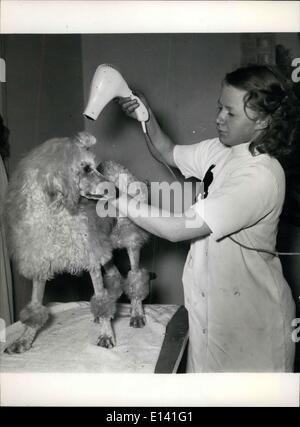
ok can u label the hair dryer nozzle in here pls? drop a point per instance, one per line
(106, 85)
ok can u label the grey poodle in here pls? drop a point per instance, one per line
(53, 227)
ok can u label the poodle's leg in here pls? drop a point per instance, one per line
(137, 289)
(134, 257)
(34, 316)
(113, 281)
(103, 307)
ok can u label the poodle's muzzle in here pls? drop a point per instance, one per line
(96, 186)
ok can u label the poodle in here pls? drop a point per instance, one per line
(53, 227)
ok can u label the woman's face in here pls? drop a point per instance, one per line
(233, 125)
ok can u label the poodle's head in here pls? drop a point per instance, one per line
(67, 170)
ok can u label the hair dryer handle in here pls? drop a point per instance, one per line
(140, 113)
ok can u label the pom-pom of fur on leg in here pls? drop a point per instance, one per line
(103, 305)
(24, 343)
(34, 315)
(137, 289)
(137, 284)
(114, 283)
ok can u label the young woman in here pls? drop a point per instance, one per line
(240, 306)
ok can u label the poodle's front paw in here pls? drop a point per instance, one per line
(19, 346)
(107, 337)
(138, 321)
(106, 341)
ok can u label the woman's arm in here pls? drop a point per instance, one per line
(188, 225)
(159, 139)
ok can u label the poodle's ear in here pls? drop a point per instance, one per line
(85, 140)
(70, 191)
(52, 185)
(62, 190)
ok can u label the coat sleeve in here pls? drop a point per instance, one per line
(190, 159)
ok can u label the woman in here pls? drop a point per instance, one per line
(240, 306)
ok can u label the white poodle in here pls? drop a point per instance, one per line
(53, 227)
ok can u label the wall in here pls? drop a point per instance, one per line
(181, 76)
(44, 89)
(44, 98)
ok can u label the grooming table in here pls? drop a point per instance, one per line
(68, 342)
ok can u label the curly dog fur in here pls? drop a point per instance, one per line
(53, 227)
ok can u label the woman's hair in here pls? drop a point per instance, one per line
(4, 145)
(271, 95)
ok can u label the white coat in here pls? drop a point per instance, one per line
(240, 306)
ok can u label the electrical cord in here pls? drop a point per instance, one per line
(275, 253)
(152, 146)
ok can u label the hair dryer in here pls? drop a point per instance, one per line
(107, 84)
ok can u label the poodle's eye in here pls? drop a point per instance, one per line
(87, 168)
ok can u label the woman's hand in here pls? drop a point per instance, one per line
(129, 105)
